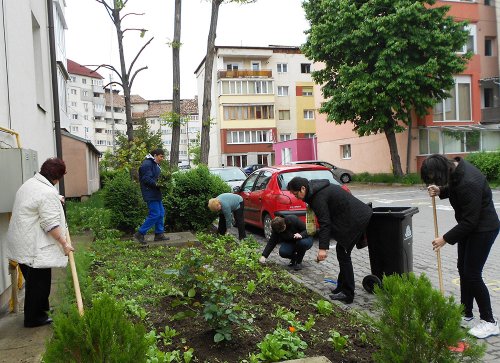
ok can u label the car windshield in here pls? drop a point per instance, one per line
(284, 178)
(230, 174)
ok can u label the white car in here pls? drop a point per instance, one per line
(232, 175)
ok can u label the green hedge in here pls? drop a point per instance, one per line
(488, 163)
(186, 199)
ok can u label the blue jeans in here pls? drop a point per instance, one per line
(156, 217)
(296, 251)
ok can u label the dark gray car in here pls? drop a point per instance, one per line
(344, 175)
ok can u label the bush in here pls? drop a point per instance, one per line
(387, 178)
(488, 163)
(186, 200)
(418, 324)
(123, 197)
(103, 334)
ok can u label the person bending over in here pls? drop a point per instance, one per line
(230, 208)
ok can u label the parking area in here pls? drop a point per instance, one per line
(424, 258)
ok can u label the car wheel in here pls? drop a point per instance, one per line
(267, 226)
(345, 178)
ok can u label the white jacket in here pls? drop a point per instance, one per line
(37, 210)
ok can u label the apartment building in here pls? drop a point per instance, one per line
(260, 96)
(26, 100)
(155, 115)
(468, 121)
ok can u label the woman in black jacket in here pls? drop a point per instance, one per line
(291, 232)
(475, 232)
(340, 216)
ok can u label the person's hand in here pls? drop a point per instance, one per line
(433, 190)
(262, 259)
(322, 255)
(438, 243)
(297, 236)
(67, 248)
(61, 198)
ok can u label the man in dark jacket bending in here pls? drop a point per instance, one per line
(149, 172)
(291, 232)
(340, 216)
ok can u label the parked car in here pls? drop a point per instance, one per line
(344, 175)
(265, 193)
(232, 175)
(249, 169)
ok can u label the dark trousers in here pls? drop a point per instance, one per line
(345, 281)
(296, 250)
(238, 220)
(472, 255)
(37, 291)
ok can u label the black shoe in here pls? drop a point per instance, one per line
(298, 267)
(161, 237)
(34, 324)
(139, 237)
(342, 297)
(292, 263)
(336, 290)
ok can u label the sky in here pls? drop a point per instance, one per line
(91, 36)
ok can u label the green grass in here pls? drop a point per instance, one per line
(387, 178)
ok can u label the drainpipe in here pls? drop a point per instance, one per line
(55, 90)
(6, 63)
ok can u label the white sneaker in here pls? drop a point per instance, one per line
(467, 323)
(485, 329)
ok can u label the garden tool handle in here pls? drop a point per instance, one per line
(438, 252)
(76, 284)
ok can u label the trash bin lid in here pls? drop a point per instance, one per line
(395, 212)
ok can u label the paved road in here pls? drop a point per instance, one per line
(424, 259)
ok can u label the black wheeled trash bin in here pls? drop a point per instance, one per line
(390, 243)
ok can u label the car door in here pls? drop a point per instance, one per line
(258, 197)
(245, 192)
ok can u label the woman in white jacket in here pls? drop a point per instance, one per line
(36, 239)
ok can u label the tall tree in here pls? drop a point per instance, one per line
(126, 76)
(176, 93)
(207, 82)
(383, 59)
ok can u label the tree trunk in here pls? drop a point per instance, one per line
(176, 98)
(125, 81)
(393, 148)
(207, 85)
(408, 147)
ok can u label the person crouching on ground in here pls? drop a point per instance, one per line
(230, 208)
(291, 233)
(475, 232)
(340, 216)
(36, 238)
(149, 172)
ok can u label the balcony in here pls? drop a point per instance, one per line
(245, 73)
(97, 89)
(490, 115)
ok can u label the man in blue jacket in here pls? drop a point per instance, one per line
(149, 171)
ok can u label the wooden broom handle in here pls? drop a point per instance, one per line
(76, 284)
(438, 252)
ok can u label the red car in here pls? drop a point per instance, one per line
(265, 195)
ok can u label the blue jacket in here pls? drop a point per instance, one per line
(149, 171)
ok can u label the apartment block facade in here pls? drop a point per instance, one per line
(468, 121)
(260, 96)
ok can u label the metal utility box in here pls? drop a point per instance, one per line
(16, 166)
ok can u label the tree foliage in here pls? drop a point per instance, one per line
(382, 60)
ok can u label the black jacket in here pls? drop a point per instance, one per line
(293, 225)
(149, 172)
(340, 215)
(470, 196)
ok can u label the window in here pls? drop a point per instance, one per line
(307, 91)
(346, 151)
(232, 67)
(305, 68)
(74, 116)
(265, 177)
(73, 91)
(282, 67)
(488, 46)
(72, 79)
(101, 142)
(246, 87)
(470, 46)
(488, 97)
(84, 81)
(85, 93)
(237, 160)
(248, 112)
(487, 2)
(86, 106)
(458, 106)
(429, 141)
(249, 137)
(74, 128)
(85, 117)
(97, 82)
(262, 159)
(309, 114)
(285, 137)
(255, 66)
(309, 135)
(73, 104)
(284, 114)
(282, 90)
(86, 129)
